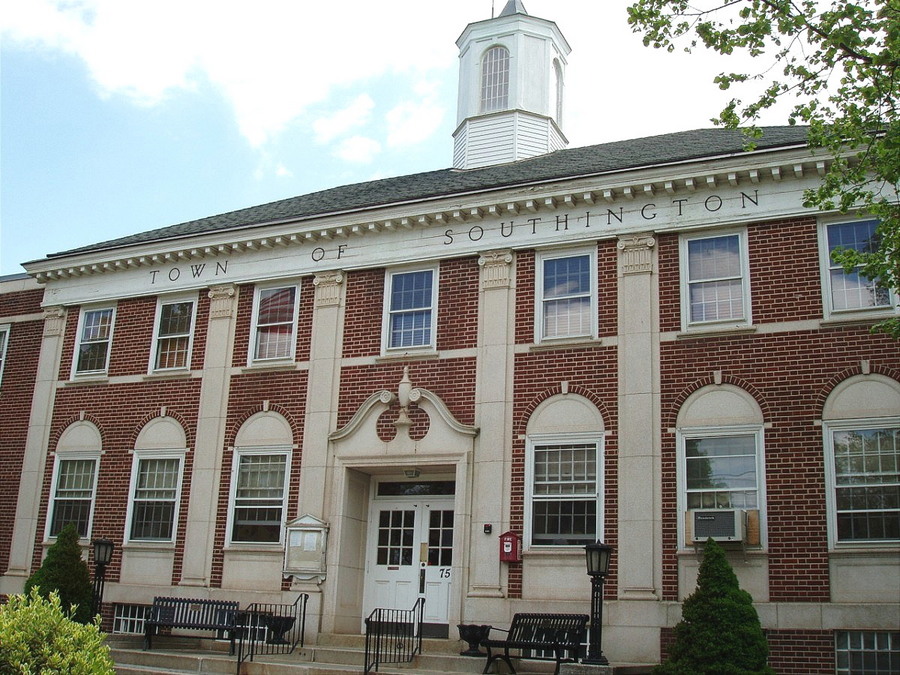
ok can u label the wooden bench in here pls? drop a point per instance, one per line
(561, 634)
(192, 614)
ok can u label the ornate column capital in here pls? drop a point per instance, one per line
(54, 321)
(328, 288)
(637, 256)
(496, 269)
(221, 301)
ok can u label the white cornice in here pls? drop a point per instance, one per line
(620, 187)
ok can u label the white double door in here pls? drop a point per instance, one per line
(410, 556)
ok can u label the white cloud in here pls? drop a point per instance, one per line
(358, 150)
(413, 122)
(357, 114)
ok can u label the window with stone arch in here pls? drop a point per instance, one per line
(260, 474)
(861, 429)
(495, 79)
(156, 481)
(564, 473)
(73, 490)
(721, 460)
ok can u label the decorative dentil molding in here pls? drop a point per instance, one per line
(328, 288)
(637, 254)
(496, 269)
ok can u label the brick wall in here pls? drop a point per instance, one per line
(789, 374)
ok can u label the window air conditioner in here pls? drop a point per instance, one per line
(718, 524)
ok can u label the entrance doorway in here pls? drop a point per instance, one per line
(409, 554)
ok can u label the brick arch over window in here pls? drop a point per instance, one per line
(840, 378)
(170, 419)
(67, 428)
(523, 421)
(273, 411)
(670, 420)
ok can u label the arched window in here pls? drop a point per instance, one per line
(75, 479)
(556, 107)
(862, 458)
(495, 79)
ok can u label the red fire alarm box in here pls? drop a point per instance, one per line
(510, 547)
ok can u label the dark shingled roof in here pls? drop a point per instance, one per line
(562, 164)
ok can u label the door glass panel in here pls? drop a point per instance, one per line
(395, 537)
(440, 538)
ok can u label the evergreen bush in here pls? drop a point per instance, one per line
(36, 637)
(65, 573)
(719, 632)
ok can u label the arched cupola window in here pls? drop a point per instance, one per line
(495, 79)
(557, 107)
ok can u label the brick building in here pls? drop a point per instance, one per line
(353, 393)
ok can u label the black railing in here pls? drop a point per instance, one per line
(269, 628)
(393, 635)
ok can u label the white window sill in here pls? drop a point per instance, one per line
(713, 331)
(857, 317)
(410, 355)
(98, 378)
(168, 375)
(565, 343)
(270, 366)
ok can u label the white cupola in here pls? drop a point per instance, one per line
(511, 80)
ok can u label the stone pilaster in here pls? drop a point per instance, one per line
(210, 441)
(493, 454)
(25, 526)
(639, 420)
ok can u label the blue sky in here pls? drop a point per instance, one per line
(120, 116)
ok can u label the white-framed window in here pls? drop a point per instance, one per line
(566, 295)
(495, 79)
(73, 492)
(155, 495)
(721, 468)
(95, 333)
(174, 333)
(259, 489)
(851, 291)
(274, 328)
(410, 309)
(867, 651)
(4, 341)
(863, 480)
(564, 476)
(715, 274)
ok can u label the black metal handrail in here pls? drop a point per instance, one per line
(393, 635)
(270, 628)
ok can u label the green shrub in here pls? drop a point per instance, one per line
(65, 573)
(36, 637)
(719, 632)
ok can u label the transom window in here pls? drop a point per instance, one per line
(73, 494)
(411, 303)
(564, 492)
(259, 496)
(865, 463)
(274, 323)
(4, 339)
(156, 484)
(174, 334)
(715, 273)
(851, 290)
(94, 339)
(495, 79)
(566, 293)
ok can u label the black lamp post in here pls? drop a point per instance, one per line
(103, 550)
(597, 557)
